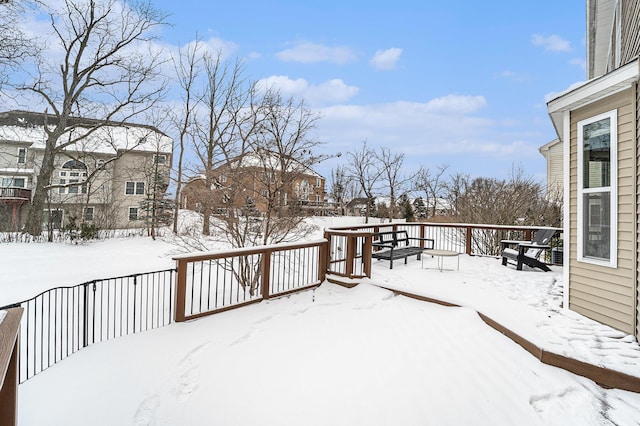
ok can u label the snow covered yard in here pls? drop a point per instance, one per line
(330, 356)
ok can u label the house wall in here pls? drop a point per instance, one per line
(252, 182)
(134, 166)
(637, 143)
(555, 176)
(602, 293)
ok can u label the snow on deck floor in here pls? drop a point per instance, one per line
(332, 356)
(528, 302)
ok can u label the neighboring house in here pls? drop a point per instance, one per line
(552, 152)
(357, 206)
(102, 179)
(599, 126)
(258, 178)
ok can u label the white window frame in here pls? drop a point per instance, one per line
(137, 213)
(22, 155)
(612, 262)
(88, 218)
(136, 186)
(160, 159)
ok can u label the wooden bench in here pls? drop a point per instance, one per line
(391, 245)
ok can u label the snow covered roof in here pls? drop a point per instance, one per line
(271, 160)
(108, 138)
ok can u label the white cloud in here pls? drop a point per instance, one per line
(308, 53)
(329, 92)
(386, 59)
(420, 128)
(580, 63)
(514, 76)
(552, 43)
(455, 104)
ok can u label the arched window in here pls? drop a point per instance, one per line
(75, 165)
(73, 172)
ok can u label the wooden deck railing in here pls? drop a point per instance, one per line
(9, 330)
(213, 282)
(15, 193)
(350, 247)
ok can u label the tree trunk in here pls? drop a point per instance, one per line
(33, 225)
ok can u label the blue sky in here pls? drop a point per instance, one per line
(460, 83)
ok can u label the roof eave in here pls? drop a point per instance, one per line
(592, 91)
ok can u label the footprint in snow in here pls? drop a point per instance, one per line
(146, 413)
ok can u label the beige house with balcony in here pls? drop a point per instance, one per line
(102, 179)
(598, 124)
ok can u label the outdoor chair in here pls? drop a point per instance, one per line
(527, 252)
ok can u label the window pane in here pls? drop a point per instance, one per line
(88, 213)
(62, 189)
(22, 155)
(597, 224)
(129, 188)
(133, 213)
(140, 188)
(73, 189)
(597, 154)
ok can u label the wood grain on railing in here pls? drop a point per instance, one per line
(9, 347)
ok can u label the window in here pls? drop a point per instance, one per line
(77, 171)
(159, 159)
(22, 155)
(74, 165)
(73, 189)
(597, 189)
(133, 213)
(318, 182)
(88, 214)
(13, 182)
(53, 219)
(223, 178)
(132, 188)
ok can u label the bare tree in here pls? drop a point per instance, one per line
(366, 171)
(226, 119)
(454, 187)
(518, 200)
(104, 72)
(15, 46)
(187, 67)
(392, 178)
(433, 184)
(340, 187)
(287, 148)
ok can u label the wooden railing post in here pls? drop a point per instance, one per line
(323, 261)
(9, 375)
(468, 242)
(366, 254)
(351, 255)
(265, 274)
(422, 233)
(181, 291)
